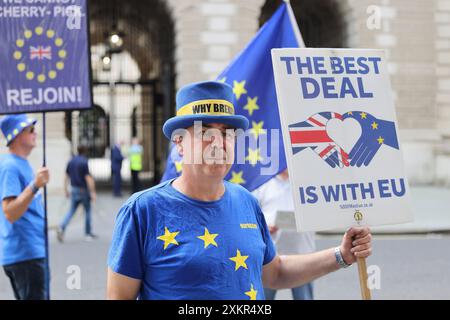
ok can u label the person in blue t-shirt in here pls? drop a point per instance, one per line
(200, 237)
(82, 192)
(22, 242)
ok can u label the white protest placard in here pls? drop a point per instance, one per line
(341, 137)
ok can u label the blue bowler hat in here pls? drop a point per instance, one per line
(209, 102)
(13, 125)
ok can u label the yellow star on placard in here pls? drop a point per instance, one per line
(208, 238)
(168, 237)
(239, 260)
(363, 115)
(238, 88)
(380, 140)
(236, 177)
(179, 166)
(251, 105)
(252, 293)
(374, 125)
(257, 129)
(253, 156)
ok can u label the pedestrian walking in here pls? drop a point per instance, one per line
(82, 191)
(200, 237)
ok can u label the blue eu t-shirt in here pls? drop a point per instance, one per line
(24, 239)
(78, 169)
(182, 248)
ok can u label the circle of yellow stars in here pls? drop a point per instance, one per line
(209, 239)
(19, 56)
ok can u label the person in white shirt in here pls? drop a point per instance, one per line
(274, 196)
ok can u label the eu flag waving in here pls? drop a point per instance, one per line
(250, 75)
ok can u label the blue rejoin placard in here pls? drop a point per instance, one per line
(44, 54)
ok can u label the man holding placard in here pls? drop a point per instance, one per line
(200, 237)
(22, 251)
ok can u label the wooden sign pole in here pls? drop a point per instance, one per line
(362, 266)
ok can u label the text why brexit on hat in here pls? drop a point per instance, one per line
(343, 78)
(49, 96)
(211, 107)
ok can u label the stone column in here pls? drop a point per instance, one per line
(442, 46)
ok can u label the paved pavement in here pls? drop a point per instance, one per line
(410, 266)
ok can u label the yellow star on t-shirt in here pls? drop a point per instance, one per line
(252, 293)
(251, 105)
(257, 129)
(237, 177)
(253, 156)
(208, 238)
(238, 88)
(380, 140)
(239, 260)
(168, 237)
(178, 166)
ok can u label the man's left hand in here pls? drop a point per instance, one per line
(357, 243)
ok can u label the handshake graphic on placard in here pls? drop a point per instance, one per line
(369, 132)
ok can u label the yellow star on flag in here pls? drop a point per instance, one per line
(374, 125)
(236, 177)
(380, 140)
(253, 156)
(222, 80)
(208, 238)
(239, 260)
(179, 166)
(350, 113)
(363, 115)
(251, 105)
(252, 293)
(168, 237)
(257, 129)
(238, 88)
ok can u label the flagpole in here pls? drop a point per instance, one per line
(362, 266)
(44, 164)
(297, 33)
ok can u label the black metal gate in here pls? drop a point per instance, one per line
(143, 29)
(136, 109)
